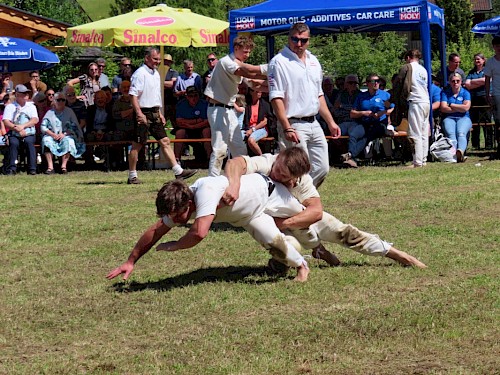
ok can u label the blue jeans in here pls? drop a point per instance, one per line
(357, 139)
(29, 143)
(457, 129)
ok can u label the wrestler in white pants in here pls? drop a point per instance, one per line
(313, 141)
(226, 133)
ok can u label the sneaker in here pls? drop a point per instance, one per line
(277, 268)
(186, 173)
(134, 181)
(460, 156)
(350, 163)
(345, 157)
(49, 171)
(320, 252)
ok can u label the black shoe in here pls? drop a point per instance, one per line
(134, 181)
(32, 173)
(10, 173)
(186, 173)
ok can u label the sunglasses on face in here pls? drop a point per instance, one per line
(101, 66)
(211, 60)
(296, 40)
(60, 100)
(374, 81)
(50, 94)
(455, 81)
(70, 95)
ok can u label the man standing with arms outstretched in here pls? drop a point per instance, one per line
(145, 95)
(220, 93)
(295, 78)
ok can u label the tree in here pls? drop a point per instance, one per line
(458, 15)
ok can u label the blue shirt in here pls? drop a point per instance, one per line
(435, 93)
(479, 91)
(375, 103)
(184, 110)
(448, 97)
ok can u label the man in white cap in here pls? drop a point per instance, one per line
(20, 119)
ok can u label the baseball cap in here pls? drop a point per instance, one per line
(351, 78)
(39, 96)
(167, 57)
(191, 90)
(22, 89)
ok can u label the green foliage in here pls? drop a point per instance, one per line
(60, 10)
(360, 54)
(458, 16)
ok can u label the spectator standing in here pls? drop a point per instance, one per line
(455, 105)
(103, 78)
(7, 85)
(125, 74)
(186, 79)
(257, 112)
(123, 113)
(34, 84)
(412, 86)
(192, 121)
(475, 83)
(492, 81)
(170, 99)
(89, 84)
(220, 93)
(146, 100)
(296, 95)
(20, 118)
(62, 135)
(211, 62)
(453, 66)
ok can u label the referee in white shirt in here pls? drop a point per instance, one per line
(145, 95)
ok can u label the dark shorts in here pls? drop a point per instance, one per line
(154, 127)
(191, 133)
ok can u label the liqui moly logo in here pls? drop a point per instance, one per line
(409, 13)
(154, 21)
(245, 23)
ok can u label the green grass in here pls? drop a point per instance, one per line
(213, 310)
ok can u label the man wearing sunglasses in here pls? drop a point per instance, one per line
(295, 91)
(103, 78)
(211, 62)
(125, 74)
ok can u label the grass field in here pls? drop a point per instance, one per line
(214, 310)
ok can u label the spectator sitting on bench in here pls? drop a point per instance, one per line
(192, 121)
(255, 121)
(62, 135)
(123, 113)
(99, 118)
(370, 112)
(77, 105)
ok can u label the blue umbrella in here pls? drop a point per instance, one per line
(20, 55)
(491, 26)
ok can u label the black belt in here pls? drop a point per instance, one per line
(210, 104)
(270, 184)
(303, 119)
(150, 110)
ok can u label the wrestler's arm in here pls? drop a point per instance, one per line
(235, 168)
(197, 232)
(312, 213)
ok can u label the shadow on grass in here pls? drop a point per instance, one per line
(204, 275)
(103, 183)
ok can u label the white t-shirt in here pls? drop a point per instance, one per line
(208, 192)
(298, 84)
(419, 92)
(147, 86)
(262, 164)
(20, 115)
(492, 70)
(224, 83)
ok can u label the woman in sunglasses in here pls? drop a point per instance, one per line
(62, 135)
(89, 84)
(455, 105)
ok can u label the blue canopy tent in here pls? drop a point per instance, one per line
(274, 17)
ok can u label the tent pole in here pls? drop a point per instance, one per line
(425, 35)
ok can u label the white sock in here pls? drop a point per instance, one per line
(177, 169)
(132, 174)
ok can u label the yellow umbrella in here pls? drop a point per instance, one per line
(157, 25)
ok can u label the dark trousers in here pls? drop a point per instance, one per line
(29, 144)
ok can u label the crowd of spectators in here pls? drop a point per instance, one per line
(93, 108)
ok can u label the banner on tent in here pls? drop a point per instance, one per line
(387, 16)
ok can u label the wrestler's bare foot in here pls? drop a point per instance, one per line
(404, 258)
(302, 273)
